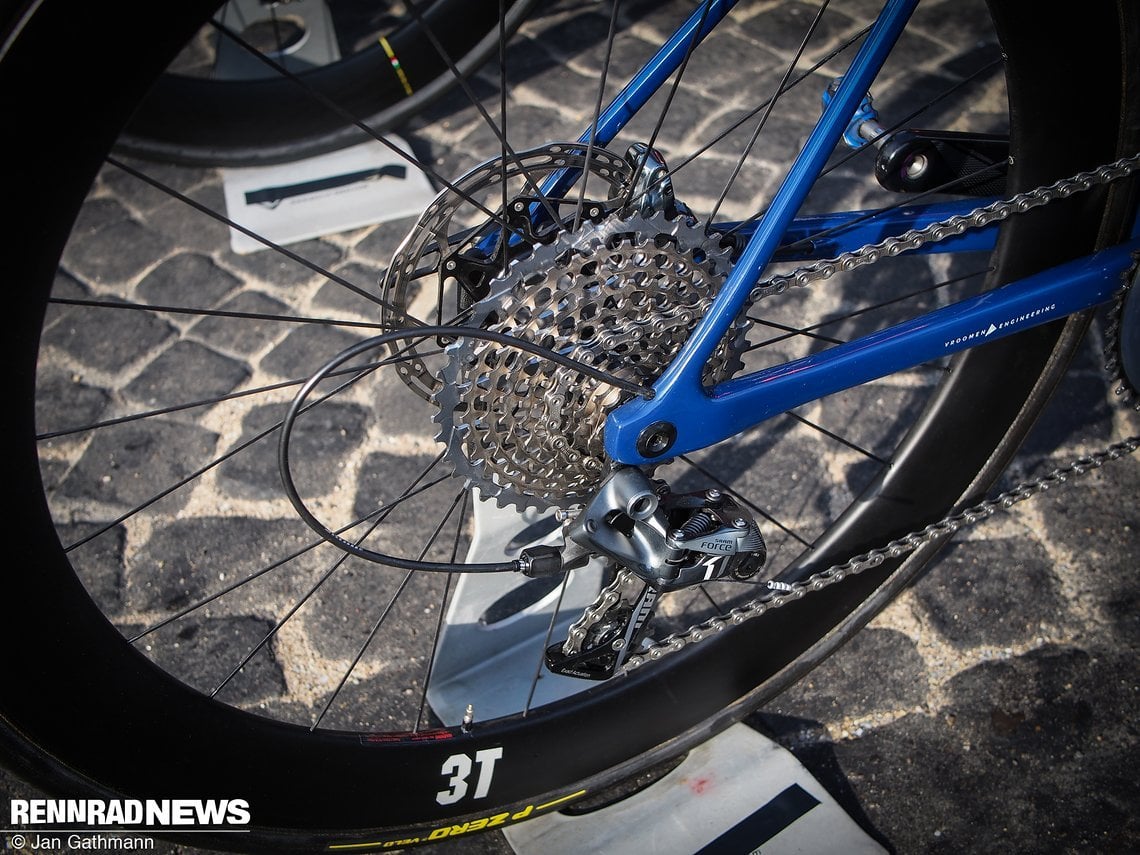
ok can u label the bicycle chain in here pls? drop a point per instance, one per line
(781, 593)
(624, 583)
(951, 226)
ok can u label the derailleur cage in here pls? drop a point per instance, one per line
(660, 541)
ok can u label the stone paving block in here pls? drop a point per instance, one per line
(968, 778)
(204, 650)
(530, 126)
(873, 418)
(64, 286)
(879, 670)
(321, 442)
(1099, 524)
(282, 272)
(108, 247)
(783, 27)
(186, 560)
(191, 228)
(107, 339)
(188, 280)
(141, 196)
(306, 349)
(384, 478)
(971, 602)
(727, 70)
(187, 371)
(340, 617)
(99, 563)
(400, 411)
(244, 336)
(64, 401)
(333, 299)
(382, 240)
(129, 464)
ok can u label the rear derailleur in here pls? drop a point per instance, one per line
(659, 541)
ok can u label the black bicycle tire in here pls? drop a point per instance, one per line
(41, 736)
(195, 121)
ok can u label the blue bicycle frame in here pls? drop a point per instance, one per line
(683, 415)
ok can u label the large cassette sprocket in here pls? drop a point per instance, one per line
(622, 295)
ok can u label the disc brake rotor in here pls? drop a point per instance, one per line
(622, 295)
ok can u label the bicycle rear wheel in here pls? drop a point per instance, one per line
(395, 776)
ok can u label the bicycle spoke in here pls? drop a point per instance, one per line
(597, 113)
(914, 114)
(459, 527)
(213, 464)
(357, 123)
(276, 247)
(381, 513)
(508, 154)
(720, 137)
(831, 435)
(213, 313)
(693, 42)
(546, 643)
(791, 331)
(767, 112)
(820, 325)
(231, 396)
(387, 610)
(909, 200)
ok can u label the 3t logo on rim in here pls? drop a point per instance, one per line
(457, 768)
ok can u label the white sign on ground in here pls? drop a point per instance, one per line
(736, 794)
(335, 192)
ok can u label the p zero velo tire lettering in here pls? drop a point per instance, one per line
(86, 712)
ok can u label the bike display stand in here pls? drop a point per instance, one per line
(737, 793)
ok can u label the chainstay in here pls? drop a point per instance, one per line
(949, 227)
(781, 593)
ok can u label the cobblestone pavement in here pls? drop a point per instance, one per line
(990, 708)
